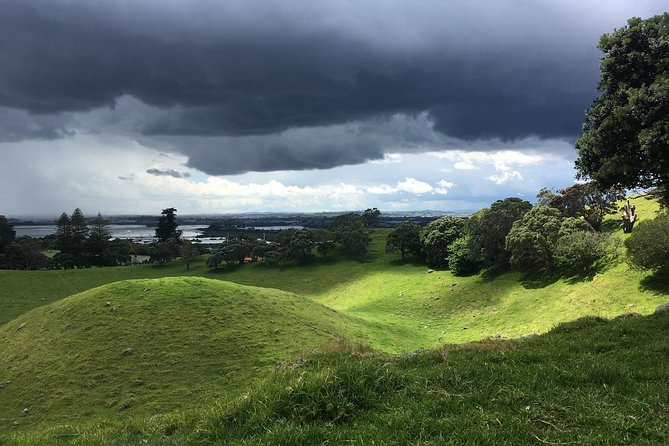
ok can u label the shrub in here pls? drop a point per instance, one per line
(648, 246)
(460, 261)
(583, 250)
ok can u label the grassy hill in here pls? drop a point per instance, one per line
(150, 346)
(589, 382)
(195, 339)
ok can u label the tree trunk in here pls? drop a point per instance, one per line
(629, 217)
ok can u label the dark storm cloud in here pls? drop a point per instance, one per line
(166, 173)
(481, 69)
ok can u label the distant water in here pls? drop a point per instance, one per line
(126, 232)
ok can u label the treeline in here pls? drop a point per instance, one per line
(563, 232)
(78, 244)
(350, 231)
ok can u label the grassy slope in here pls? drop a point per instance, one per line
(589, 382)
(193, 340)
(409, 308)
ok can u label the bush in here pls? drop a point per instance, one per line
(460, 261)
(583, 250)
(648, 246)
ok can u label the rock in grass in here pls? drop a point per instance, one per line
(664, 308)
(128, 351)
(300, 363)
(20, 326)
(107, 304)
(628, 315)
(430, 271)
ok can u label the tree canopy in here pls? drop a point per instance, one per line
(404, 238)
(437, 237)
(167, 226)
(625, 140)
(488, 229)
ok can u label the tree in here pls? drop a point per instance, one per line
(64, 234)
(436, 238)
(625, 140)
(488, 230)
(370, 217)
(215, 259)
(233, 250)
(163, 252)
(98, 242)
(533, 240)
(119, 252)
(7, 233)
(26, 253)
(189, 253)
(325, 247)
(167, 226)
(404, 238)
(587, 201)
(648, 246)
(71, 235)
(460, 260)
(299, 246)
(350, 230)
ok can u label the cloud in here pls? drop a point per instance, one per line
(414, 186)
(242, 86)
(167, 173)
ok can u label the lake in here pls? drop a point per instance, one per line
(138, 233)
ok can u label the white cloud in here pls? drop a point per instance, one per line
(414, 186)
(503, 161)
(504, 176)
(383, 189)
(464, 165)
(444, 187)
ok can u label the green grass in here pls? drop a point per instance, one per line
(197, 340)
(588, 382)
(426, 309)
(191, 340)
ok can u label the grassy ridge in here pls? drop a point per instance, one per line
(160, 344)
(590, 382)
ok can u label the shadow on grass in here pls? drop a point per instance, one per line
(657, 282)
(538, 280)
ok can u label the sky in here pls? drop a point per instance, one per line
(132, 106)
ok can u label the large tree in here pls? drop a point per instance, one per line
(587, 201)
(625, 141)
(350, 230)
(98, 242)
(436, 238)
(404, 238)
(167, 226)
(487, 230)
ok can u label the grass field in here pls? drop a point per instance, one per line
(588, 382)
(195, 339)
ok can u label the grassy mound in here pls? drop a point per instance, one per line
(150, 346)
(589, 382)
